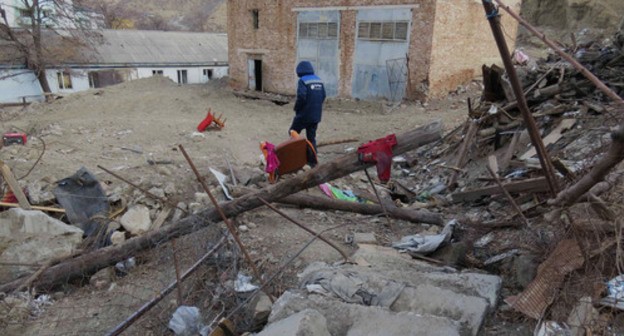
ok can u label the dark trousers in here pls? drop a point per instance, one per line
(310, 129)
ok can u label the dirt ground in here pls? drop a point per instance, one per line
(124, 126)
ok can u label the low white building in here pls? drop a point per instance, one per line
(186, 58)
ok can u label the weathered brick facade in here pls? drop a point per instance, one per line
(448, 42)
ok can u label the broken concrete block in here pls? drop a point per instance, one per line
(170, 188)
(177, 213)
(40, 193)
(136, 220)
(357, 320)
(159, 192)
(308, 322)
(102, 278)
(364, 238)
(202, 198)
(118, 238)
(243, 228)
(32, 237)
(262, 308)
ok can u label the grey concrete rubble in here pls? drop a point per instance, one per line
(392, 295)
(32, 238)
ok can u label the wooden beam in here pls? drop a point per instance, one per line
(92, 262)
(531, 185)
(33, 207)
(14, 185)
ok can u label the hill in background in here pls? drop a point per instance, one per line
(189, 15)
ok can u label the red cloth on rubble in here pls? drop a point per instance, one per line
(379, 152)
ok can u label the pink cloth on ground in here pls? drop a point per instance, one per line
(272, 160)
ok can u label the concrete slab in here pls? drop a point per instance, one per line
(357, 320)
(307, 322)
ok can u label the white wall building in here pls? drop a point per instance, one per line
(185, 58)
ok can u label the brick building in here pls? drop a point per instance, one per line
(362, 48)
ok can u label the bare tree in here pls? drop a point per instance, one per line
(115, 15)
(45, 34)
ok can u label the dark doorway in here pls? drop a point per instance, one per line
(258, 74)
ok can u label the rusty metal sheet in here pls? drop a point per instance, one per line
(541, 292)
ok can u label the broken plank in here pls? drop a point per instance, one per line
(531, 185)
(33, 207)
(162, 217)
(14, 185)
(92, 262)
(552, 137)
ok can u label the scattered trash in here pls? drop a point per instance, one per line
(426, 243)
(221, 178)
(186, 321)
(16, 138)
(552, 328)
(243, 284)
(211, 120)
(501, 257)
(124, 267)
(84, 200)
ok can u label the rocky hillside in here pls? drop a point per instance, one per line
(190, 15)
(572, 15)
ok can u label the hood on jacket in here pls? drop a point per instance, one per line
(305, 68)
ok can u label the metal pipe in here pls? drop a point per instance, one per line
(226, 220)
(153, 302)
(494, 19)
(299, 224)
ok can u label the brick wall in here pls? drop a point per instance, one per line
(449, 41)
(463, 42)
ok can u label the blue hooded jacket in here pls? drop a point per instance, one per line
(310, 94)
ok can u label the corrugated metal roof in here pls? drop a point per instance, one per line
(121, 47)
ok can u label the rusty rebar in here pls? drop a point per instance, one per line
(176, 264)
(494, 19)
(153, 302)
(381, 204)
(164, 200)
(226, 220)
(301, 225)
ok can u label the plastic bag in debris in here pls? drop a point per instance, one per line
(426, 243)
(124, 267)
(615, 288)
(520, 58)
(552, 328)
(243, 284)
(186, 321)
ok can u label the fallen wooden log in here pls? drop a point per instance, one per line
(613, 157)
(87, 264)
(531, 185)
(323, 203)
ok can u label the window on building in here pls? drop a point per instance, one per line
(182, 77)
(64, 80)
(157, 72)
(255, 16)
(383, 31)
(318, 30)
(208, 73)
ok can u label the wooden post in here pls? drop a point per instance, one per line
(15, 187)
(494, 18)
